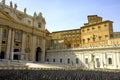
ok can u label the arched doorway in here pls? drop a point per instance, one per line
(38, 54)
(2, 55)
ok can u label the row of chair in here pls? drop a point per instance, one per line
(58, 75)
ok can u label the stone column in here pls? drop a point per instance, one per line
(0, 38)
(8, 44)
(12, 44)
(23, 47)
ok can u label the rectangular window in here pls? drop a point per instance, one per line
(83, 31)
(100, 38)
(88, 40)
(16, 35)
(93, 29)
(68, 61)
(77, 61)
(86, 60)
(39, 25)
(83, 40)
(88, 30)
(99, 28)
(53, 60)
(47, 60)
(109, 61)
(97, 63)
(105, 26)
(60, 60)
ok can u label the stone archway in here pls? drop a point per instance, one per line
(38, 54)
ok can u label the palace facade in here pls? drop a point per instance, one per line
(22, 37)
(94, 45)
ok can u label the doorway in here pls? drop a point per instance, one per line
(2, 55)
(16, 55)
(38, 54)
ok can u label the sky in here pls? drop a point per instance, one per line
(71, 14)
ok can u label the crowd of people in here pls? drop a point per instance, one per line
(58, 75)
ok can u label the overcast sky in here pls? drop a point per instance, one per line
(71, 14)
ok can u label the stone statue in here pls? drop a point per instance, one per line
(25, 10)
(11, 5)
(15, 6)
(35, 14)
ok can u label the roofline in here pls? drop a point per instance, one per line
(96, 23)
(65, 30)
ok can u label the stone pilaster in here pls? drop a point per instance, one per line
(43, 51)
(8, 44)
(23, 47)
(12, 44)
(33, 43)
(117, 60)
(0, 38)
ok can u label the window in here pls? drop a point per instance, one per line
(38, 40)
(99, 28)
(106, 37)
(60, 60)
(17, 35)
(105, 26)
(93, 29)
(39, 25)
(47, 60)
(4, 34)
(68, 61)
(77, 61)
(83, 40)
(53, 60)
(83, 31)
(29, 22)
(100, 38)
(88, 40)
(97, 62)
(88, 30)
(109, 61)
(86, 60)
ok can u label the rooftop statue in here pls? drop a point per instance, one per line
(11, 5)
(25, 10)
(15, 6)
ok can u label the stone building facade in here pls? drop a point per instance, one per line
(22, 37)
(94, 45)
(91, 58)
